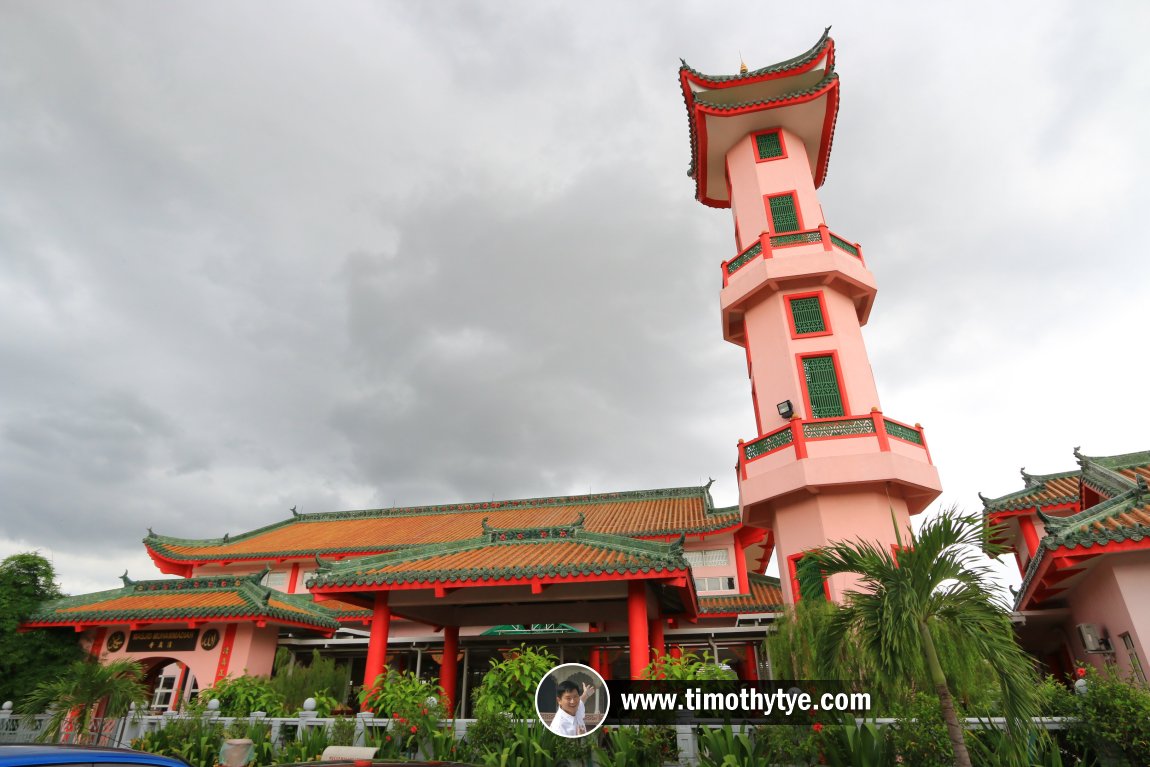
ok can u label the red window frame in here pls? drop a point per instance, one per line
(822, 308)
(794, 193)
(834, 355)
(793, 569)
(755, 145)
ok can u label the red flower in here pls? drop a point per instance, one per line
(817, 727)
(388, 738)
(1080, 672)
(425, 712)
(414, 729)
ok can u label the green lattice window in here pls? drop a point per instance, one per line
(784, 212)
(807, 314)
(809, 579)
(823, 387)
(769, 145)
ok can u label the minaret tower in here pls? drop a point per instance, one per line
(826, 463)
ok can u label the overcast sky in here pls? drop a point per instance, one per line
(351, 255)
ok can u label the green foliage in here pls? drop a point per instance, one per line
(26, 660)
(194, 738)
(241, 695)
(510, 684)
(786, 744)
(726, 747)
(489, 732)
(640, 746)
(992, 747)
(856, 745)
(688, 667)
(1055, 698)
(1113, 717)
(307, 746)
(919, 734)
(320, 678)
(533, 745)
(81, 687)
(260, 734)
(343, 731)
(936, 594)
(413, 705)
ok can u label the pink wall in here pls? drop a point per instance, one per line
(809, 521)
(750, 180)
(1099, 599)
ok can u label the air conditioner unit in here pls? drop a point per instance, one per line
(1091, 637)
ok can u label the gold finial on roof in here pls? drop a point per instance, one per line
(742, 65)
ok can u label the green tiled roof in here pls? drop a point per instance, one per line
(782, 66)
(1039, 490)
(181, 599)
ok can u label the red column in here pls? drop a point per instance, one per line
(447, 671)
(676, 651)
(594, 661)
(1029, 534)
(656, 634)
(637, 627)
(751, 673)
(377, 644)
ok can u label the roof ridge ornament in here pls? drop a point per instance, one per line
(294, 512)
(259, 575)
(128, 582)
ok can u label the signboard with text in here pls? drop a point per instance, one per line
(166, 640)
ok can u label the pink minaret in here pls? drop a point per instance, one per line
(827, 464)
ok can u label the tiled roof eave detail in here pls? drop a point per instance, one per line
(782, 67)
(818, 89)
(1023, 499)
(254, 603)
(711, 520)
(642, 557)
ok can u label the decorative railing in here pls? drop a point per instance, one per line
(766, 244)
(798, 432)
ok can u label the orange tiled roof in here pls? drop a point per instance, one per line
(545, 554)
(765, 596)
(643, 513)
(1040, 491)
(197, 600)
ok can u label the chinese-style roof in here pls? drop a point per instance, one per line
(765, 596)
(186, 600)
(650, 513)
(800, 94)
(507, 555)
(1120, 522)
(1040, 491)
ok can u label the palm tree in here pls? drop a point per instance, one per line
(935, 584)
(80, 689)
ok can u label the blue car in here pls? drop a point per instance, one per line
(32, 754)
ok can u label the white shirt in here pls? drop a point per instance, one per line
(568, 725)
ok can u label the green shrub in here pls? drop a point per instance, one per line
(320, 678)
(919, 735)
(413, 705)
(687, 667)
(509, 686)
(1113, 717)
(195, 739)
(241, 695)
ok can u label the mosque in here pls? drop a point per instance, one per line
(611, 579)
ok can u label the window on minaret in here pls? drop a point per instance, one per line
(807, 315)
(784, 213)
(823, 387)
(769, 145)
